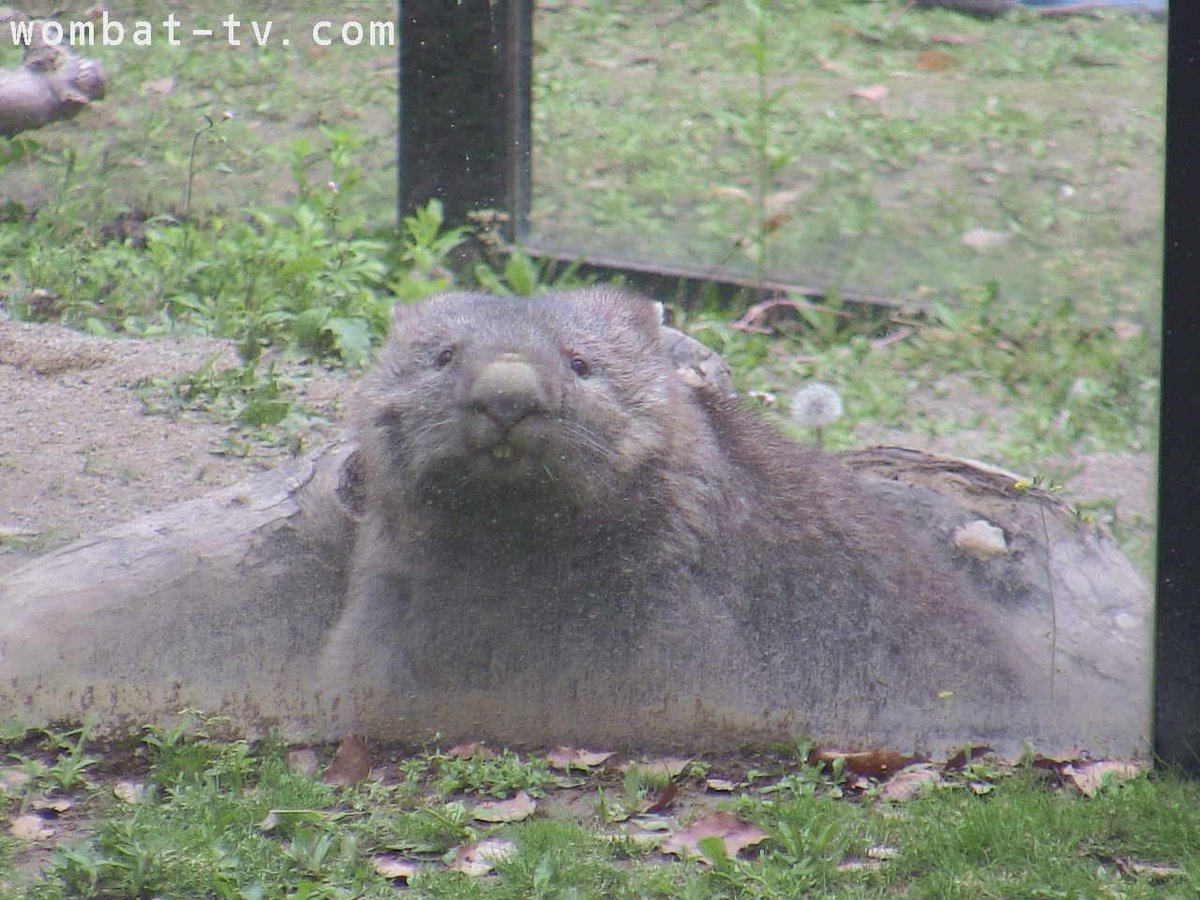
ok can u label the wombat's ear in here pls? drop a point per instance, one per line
(402, 312)
(639, 312)
(646, 314)
(405, 312)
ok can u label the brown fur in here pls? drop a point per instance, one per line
(648, 544)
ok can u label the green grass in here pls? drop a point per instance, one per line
(672, 130)
(1017, 356)
(215, 817)
(133, 149)
(661, 129)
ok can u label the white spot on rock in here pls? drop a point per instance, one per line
(981, 539)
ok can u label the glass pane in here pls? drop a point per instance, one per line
(991, 187)
(856, 147)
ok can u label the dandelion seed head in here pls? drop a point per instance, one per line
(816, 405)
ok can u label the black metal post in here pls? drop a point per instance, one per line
(465, 70)
(1177, 656)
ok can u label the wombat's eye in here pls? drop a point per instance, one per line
(443, 359)
(580, 367)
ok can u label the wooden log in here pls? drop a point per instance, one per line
(219, 603)
(222, 604)
(993, 8)
(51, 84)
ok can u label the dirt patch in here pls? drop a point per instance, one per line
(79, 451)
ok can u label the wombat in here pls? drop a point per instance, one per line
(563, 536)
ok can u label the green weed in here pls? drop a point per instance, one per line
(223, 818)
(60, 764)
(501, 776)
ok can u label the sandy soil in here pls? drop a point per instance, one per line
(78, 451)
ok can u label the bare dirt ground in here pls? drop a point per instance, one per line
(79, 452)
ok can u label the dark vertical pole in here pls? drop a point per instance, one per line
(464, 106)
(1177, 656)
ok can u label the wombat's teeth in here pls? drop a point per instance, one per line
(502, 451)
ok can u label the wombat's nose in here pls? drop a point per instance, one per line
(506, 390)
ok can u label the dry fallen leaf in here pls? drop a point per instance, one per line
(771, 224)
(982, 239)
(869, 762)
(519, 807)
(777, 202)
(129, 791)
(829, 65)
(965, 756)
(1089, 775)
(30, 828)
(859, 865)
(909, 782)
(609, 65)
(351, 764)
(1124, 330)
(479, 859)
(850, 31)
(935, 61)
(735, 834)
(1155, 871)
(159, 86)
(568, 758)
(653, 822)
(664, 799)
(55, 805)
(953, 40)
(13, 778)
(872, 92)
(719, 784)
(671, 766)
(732, 193)
(394, 868)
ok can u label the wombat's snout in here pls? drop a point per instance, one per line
(506, 390)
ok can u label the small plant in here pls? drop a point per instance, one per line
(643, 782)
(15, 149)
(500, 776)
(257, 401)
(423, 263)
(186, 755)
(431, 830)
(318, 852)
(770, 155)
(68, 765)
(523, 277)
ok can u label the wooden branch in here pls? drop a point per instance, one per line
(52, 84)
(991, 8)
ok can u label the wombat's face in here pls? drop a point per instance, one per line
(562, 399)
